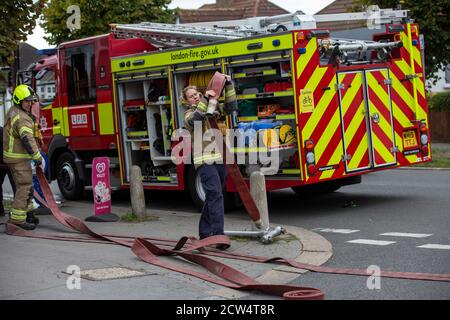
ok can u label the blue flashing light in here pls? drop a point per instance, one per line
(301, 50)
(46, 52)
(276, 43)
(415, 42)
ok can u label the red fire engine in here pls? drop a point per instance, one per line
(337, 108)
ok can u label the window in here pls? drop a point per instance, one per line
(45, 80)
(80, 73)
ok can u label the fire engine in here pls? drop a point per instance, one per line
(338, 108)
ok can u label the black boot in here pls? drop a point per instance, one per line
(25, 225)
(31, 218)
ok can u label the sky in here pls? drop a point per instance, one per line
(308, 6)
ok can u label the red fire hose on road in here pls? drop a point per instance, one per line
(149, 250)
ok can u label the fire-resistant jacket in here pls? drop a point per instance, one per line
(209, 151)
(18, 137)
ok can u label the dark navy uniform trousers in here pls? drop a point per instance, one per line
(213, 178)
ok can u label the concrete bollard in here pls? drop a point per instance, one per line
(258, 192)
(137, 195)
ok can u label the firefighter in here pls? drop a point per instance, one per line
(19, 149)
(4, 171)
(209, 166)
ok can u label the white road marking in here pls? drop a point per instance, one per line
(374, 242)
(435, 246)
(344, 231)
(406, 234)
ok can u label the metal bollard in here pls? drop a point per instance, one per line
(137, 195)
(259, 195)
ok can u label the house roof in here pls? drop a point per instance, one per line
(230, 10)
(339, 6)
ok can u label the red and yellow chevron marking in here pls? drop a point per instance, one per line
(408, 95)
(356, 139)
(323, 124)
(379, 106)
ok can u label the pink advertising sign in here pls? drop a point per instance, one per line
(100, 186)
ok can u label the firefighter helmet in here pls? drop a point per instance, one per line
(23, 92)
(287, 134)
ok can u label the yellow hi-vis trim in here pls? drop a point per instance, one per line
(202, 106)
(207, 158)
(18, 215)
(205, 52)
(105, 118)
(22, 130)
(13, 155)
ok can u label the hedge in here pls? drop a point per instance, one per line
(440, 101)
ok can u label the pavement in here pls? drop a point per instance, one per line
(39, 269)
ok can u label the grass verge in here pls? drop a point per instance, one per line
(441, 159)
(130, 217)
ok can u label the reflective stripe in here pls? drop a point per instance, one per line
(19, 215)
(11, 133)
(202, 106)
(25, 129)
(36, 155)
(16, 155)
(105, 118)
(229, 93)
(203, 158)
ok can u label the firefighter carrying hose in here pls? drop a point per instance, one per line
(19, 149)
(210, 166)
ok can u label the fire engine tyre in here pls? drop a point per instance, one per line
(68, 178)
(197, 193)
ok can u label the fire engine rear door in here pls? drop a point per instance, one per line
(354, 122)
(381, 120)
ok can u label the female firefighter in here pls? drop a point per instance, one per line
(209, 164)
(19, 147)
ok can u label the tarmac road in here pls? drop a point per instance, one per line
(414, 204)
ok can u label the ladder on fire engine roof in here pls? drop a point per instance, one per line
(172, 35)
(169, 35)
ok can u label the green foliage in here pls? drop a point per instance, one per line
(440, 158)
(131, 217)
(434, 23)
(18, 19)
(97, 15)
(440, 101)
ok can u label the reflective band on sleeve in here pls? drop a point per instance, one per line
(229, 93)
(25, 129)
(202, 106)
(36, 155)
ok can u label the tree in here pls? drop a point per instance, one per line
(18, 19)
(95, 16)
(434, 24)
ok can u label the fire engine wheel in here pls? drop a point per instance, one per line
(67, 176)
(198, 195)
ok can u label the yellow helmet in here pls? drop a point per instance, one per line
(23, 92)
(270, 138)
(287, 134)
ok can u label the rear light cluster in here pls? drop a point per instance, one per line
(310, 157)
(423, 132)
